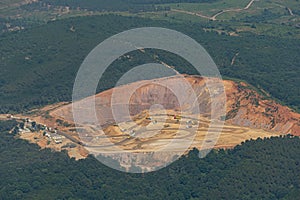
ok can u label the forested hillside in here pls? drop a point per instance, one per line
(38, 66)
(262, 169)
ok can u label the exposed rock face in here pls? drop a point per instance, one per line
(244, 106)
(247, 108)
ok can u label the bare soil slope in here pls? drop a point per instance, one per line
(248, 115)
(245, 106)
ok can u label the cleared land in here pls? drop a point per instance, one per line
(146, 130)
(160, 133)
(161, 130)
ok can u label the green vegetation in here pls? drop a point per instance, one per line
(133, 6)
(113, 5)
(278, 18)
(7, 3)
(210, 8)
(236, 8)
(38, 66)
(261, 169)
(91, 5)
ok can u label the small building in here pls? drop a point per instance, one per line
(55, 137)
(25, 130)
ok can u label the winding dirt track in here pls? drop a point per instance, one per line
(191, 13)
(229, 137)
(214, 17)
(233, 10)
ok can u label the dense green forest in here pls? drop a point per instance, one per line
(39, 65)
(261, 169)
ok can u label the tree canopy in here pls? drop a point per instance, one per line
(39, 65)
(257, 169)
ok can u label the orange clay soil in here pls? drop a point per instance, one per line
(249, 116)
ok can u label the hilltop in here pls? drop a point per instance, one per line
(245, 106)
(249, 115)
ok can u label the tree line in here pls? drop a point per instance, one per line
(39, 65)
(256, 169)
